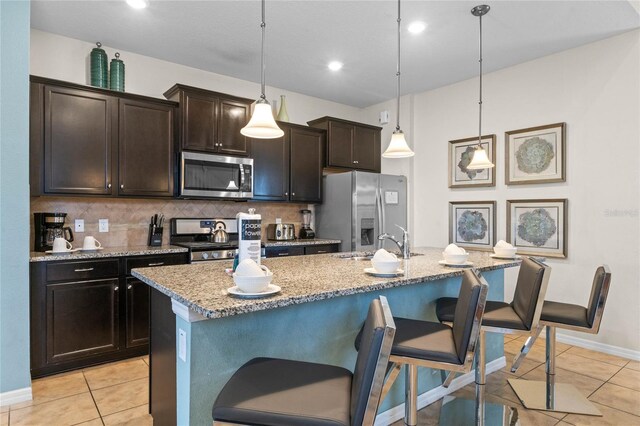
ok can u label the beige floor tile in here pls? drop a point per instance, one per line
(55, 387)
(526, 366)
(634, 365)
(4, 408)
(586, 366)
(146, 359)
(628, 378)
(64, 411)
(610, 416)
(133, 416)
(110, 375)
(537, 353)
(94, 422)
(541, 342)
(615, 396)
(4, 419)
(122, 397)
(585, 384)
(598, 356)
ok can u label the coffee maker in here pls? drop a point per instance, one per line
(48, 227)
(306, 233)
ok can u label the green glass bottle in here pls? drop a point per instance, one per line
(99, 64)
(116, 75)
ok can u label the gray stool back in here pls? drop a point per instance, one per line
(531, 288)
(598, 298)
(468, 315)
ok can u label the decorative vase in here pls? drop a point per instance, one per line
(282, 114)
(99, 63)
(116, 76)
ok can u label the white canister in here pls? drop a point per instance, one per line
(249, 236)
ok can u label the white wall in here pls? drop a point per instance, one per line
(595, 89)
(65, 58)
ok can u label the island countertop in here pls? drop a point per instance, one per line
(202, 287)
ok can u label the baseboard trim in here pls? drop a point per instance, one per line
(15, 396)
(597, 346)
(396, 413)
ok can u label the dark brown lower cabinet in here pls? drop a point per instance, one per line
(137, 313)
(82, 319)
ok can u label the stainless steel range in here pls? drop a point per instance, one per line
(199, 236)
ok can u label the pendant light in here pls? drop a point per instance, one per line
(480, 159)
(262, 124)
(398, 147)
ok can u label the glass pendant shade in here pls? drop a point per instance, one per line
(480, 160)
(398, 147)
(262, 124)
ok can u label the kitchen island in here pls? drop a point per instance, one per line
(315, 318)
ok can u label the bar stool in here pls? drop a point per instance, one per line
(275, 392)
(562, 397)
(521, 316)
(431, 344)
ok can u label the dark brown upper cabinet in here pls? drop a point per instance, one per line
(350, 145)
(91, 141)
(289, 168)
(211, 121)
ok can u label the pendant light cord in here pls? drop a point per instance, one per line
(263, 25)
(398, 76)
(480, 101)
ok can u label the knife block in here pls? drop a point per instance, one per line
(155, 236)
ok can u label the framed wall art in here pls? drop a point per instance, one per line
(535, 155)
(472, 224)
(538, 227)
(460, 155)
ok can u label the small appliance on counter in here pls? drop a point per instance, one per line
(281, 231)
(48, 227)
(306, 233)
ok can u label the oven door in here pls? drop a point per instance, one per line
(215, 176)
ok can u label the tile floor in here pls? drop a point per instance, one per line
(117, 394)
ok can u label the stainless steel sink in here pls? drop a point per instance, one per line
(360, 256)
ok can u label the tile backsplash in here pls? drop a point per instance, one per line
(129, 218)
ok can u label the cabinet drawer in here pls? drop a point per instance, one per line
(321, 249)
(93, 269)
(150, 261)
(284, 251)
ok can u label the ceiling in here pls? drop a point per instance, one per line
(303, 36)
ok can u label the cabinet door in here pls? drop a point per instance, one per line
(271, 168)
(78, 140)
(145, 149)
(307, 159)
(233, 116)
(82, 319)
(340, 144)
(366, 149)
(284, 251)
(137, 313)
(199, 124)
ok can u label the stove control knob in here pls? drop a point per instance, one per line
(215, 254)
(205, 255)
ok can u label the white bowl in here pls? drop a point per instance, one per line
(455, 259)
(505, 251)
(386, 266)
(256, 284)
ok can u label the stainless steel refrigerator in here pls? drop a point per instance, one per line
(359, 206)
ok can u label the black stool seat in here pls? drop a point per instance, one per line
(496, 314)
(274, 392)
(422, 340)
(564, 313)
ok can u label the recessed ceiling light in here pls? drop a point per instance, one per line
(138, 4)
(335, 65)
(417, 27)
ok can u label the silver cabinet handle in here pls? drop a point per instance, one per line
(286, 193)
(122, 186)
(109, 185)
(321, 252)
(129, 287)
(83, 270)
(355, 162)
(116, 288)
(220, 144)
(156, 264)
(283, 254)
(293, 194)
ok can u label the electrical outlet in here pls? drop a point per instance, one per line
(79, 225)
(278, 220)
(182, 344)
(103, 225)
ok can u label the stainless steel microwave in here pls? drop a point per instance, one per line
(215, 176)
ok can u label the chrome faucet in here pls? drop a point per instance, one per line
(404, 246)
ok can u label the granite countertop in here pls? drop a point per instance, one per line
(202, 287)
(106, 252)
(298, 242)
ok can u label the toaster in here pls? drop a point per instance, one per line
(281, 231)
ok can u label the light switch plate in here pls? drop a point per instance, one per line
(103, 225)
(79, 225)
(182, 344)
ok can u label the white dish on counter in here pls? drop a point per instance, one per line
(62, 252)
(455, 265)
(91, 249)
(271, 290)
(515, 257)
(372, 271)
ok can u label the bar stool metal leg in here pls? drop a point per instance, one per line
(411, 395)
